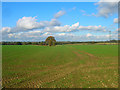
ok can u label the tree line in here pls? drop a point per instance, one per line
(56, 43)
(50, 40)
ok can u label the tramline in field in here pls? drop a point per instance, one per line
(80, 66)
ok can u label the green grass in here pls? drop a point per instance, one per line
(73, 66)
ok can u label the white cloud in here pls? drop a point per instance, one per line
(65, 28)
(31, 23)
(107, 8)
(28, 28)
(59, 14)
(88, 35)
(118, 29)
(116, 20)
(6, 30)
(38, 36)
(65, 34)
(93, 28)
(57, 31)
(61, 34)
(74, 27)
(46, 34)
(54, 22)
(35, 33)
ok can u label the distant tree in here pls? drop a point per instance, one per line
(29, 43)
(18, 43)
(3, 43)
(41, 43)
(24, 43)
(50, 40)
(37, 43)
(34, 43)
(93, 42)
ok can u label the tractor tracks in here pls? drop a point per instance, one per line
(54, 73)
(91, 56)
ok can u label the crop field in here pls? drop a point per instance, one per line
(61, 66)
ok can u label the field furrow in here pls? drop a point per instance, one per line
(70, 66)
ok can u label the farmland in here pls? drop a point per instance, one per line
(61, 66)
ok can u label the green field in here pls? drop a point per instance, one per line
(61, 66)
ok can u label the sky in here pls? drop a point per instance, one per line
(66, 21)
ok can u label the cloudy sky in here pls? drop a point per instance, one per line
(66, 21)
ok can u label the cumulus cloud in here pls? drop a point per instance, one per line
(116, 20)
(107, 8)
(54, 22)
(93, 28)
(6, 30)
(118, 29)
(59, 14)
(88, 35)
(28, 24)
(65, 34)
(22, 32)
(35, 33)
(31, 23)
(40, 36)
(28, 28)
(73, 28)
(65, 28)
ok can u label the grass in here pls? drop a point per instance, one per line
(73, 66)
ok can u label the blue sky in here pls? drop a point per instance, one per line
(86, 21)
